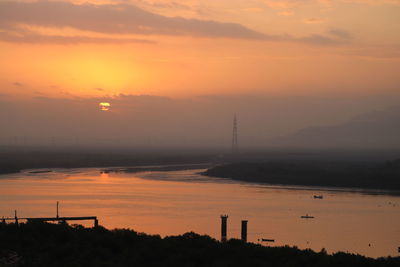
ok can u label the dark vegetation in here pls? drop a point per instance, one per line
(39, 244)
(384, 176)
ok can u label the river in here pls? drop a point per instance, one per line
(175, 202)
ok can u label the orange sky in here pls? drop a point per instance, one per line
(188, 48)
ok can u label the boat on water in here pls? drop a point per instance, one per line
(318, 196)
(307, 217)
(266, 240)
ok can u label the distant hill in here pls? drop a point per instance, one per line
(380, 129)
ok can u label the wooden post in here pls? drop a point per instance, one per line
(96, 222)
(16, 218)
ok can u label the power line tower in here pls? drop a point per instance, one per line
(235, 146)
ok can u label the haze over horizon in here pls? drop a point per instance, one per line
(162, 122)
(174, 72)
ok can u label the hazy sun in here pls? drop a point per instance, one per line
(104, 106)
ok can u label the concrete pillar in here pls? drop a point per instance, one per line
(224, 219)
(244, 231)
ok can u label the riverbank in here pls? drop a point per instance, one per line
(379, 176)
(62, 245)
(14, 161)
(161, 168)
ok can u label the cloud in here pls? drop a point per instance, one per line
(334, 35)
(186, 9)
(286, 13)
(253, 9)
(18, 84)
(322, 40)
(174, 5)
(38, 38)
(374, 2)
(313, 21)
(340, 33)
(289, 4)
(115, 19)
(285, 4)
(379, 52)
(120, 19)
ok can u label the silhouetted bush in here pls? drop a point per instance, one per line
(39, 244)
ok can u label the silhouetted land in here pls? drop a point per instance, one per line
(159, 168)
(384, 176)
(15, 160)
(62, 245)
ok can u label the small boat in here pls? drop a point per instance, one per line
(318, 196)
(267, 240)
(307, 217)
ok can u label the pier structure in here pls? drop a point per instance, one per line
(58, 219)
(55, 219)
(65, 219)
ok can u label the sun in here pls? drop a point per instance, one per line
(104, 106)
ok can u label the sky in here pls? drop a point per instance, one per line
(189, 48)
(155, 58)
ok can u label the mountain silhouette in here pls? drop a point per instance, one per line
(378, 129)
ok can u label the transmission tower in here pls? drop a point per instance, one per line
(235, 146)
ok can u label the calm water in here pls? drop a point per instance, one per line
(171, 203)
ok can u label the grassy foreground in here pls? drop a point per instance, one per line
(63, 245)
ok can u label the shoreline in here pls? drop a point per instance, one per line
(163, 168)
(354, 179)
(300, 187)
(117, 169)
(294, 187)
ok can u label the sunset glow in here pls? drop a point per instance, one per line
(200, 132)
(267, 47)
